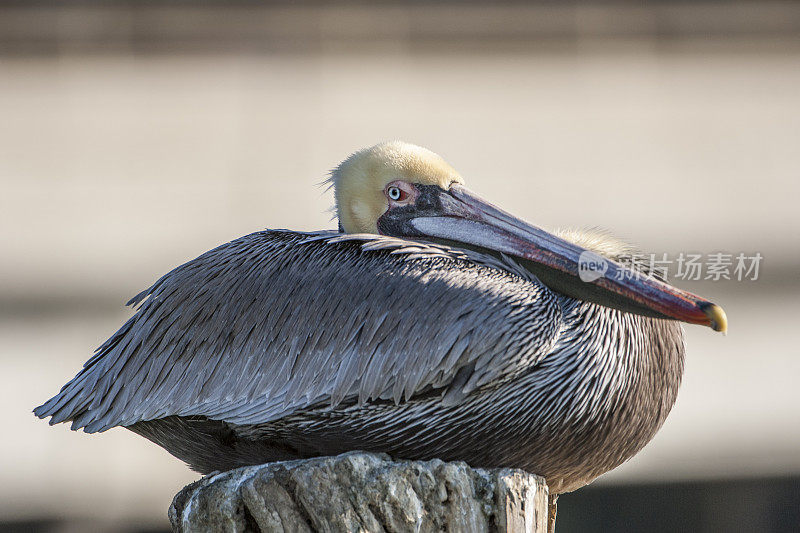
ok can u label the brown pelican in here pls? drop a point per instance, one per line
(432, 325)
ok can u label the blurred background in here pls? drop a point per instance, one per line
(136, 135)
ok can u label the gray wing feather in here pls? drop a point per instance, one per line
(276, 322)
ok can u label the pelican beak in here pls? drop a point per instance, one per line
(461, 218)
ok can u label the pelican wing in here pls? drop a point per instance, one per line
(277, 321)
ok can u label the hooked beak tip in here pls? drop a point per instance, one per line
(716, 316)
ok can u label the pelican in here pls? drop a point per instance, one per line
(432, 324)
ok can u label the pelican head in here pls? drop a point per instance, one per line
(366, 182)
(402, 190)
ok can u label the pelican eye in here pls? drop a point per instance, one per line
(395, 193)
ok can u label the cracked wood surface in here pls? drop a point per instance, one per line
(362, 492)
